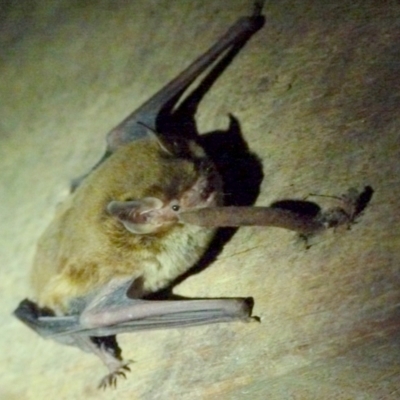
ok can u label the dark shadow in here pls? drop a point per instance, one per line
(180, 120)
(241, 172)
(302, 207)
(363, 200)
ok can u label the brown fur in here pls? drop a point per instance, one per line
(85, 248)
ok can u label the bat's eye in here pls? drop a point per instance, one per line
(175, 207)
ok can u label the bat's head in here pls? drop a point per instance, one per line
(180, 177)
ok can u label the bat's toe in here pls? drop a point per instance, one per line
(110, 380)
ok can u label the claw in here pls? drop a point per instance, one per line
(110, 380)
(121, 373)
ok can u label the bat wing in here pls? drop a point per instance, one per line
(95, 329)
(136, 125)
(117, 313)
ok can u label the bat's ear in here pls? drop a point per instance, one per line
(138, 216)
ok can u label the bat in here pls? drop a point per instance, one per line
(142, 217)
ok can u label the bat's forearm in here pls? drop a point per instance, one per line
(352, 204)
(252, 216)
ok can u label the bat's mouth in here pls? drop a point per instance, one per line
(212, 193)
(206, 192)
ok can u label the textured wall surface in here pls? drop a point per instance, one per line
(317, 95)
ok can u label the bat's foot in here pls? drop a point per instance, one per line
(116, 371)
(353, 203)
(342, 215)
(106, 347)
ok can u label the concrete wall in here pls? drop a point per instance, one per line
(317, 95)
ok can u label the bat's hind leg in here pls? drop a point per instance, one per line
(68, 330)
(107, 349)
